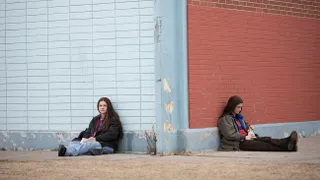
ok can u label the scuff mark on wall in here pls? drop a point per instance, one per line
(14, 145)
(301, 134)
(23, 134)
(5, 134)
(206, 135)
(286, 134)
(140, 135)
(32, 136)
(317, 133)
(60, 136)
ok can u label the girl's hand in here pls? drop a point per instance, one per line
(92, 139)
(251, 127)
(252, 135)
(248, 137)
(84, 140)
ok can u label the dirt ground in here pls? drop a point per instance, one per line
(304, 165)
(135, 169)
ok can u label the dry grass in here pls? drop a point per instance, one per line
(145, 169)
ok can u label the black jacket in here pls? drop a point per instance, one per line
(109, 137)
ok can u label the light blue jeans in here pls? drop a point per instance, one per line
(75, 148)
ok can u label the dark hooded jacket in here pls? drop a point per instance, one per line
(230, 137)
(107, 137)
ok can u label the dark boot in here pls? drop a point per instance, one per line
(62, 150)
(292, 141)
(287, 144)
(95, 151)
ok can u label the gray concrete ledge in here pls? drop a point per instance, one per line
(206, 140)
(19, 140)
(189, 140)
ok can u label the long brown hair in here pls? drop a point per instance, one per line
(233, 102)
(111, 113)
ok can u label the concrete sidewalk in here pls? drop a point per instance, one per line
(46, 165)
(308, 152)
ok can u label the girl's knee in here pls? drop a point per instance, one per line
(95, 144)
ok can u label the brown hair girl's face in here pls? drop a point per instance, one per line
(103, 107)
(238, 108)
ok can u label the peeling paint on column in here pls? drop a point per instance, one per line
(157, 29)
(167, 128)
(166, 86)
(169, 107)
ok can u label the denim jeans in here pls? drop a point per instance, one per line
(75, 148)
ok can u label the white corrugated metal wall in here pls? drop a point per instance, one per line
(58, 57)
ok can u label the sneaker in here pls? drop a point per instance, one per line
(62, 150)
(293, 139)
(96, 151)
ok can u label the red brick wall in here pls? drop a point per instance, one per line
(270, 60)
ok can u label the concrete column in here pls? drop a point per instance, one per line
(171, 74)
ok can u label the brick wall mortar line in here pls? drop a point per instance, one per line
(27, 64)
(5, 60)
(317, 16)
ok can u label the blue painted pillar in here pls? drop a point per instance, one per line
(171, 74)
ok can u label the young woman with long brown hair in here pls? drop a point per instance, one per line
(235, 136)
(102, 136)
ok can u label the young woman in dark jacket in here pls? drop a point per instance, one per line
(235, 135)
(102, 136)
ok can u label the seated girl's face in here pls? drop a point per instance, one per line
(238, 108)
(103, 107)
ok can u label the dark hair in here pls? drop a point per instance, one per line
(233, 102)
(111, 113)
